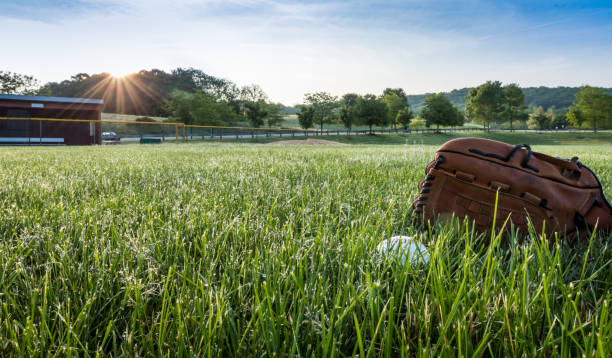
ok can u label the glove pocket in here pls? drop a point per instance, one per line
(465, 198)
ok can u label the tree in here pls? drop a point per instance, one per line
(540, 119)
(324, 106)
(558, 118)
(574, 117)
(594, 106)
(397, 91)
(199, 108)
(252, 98)
(15, 83)
(179, 107)
(404, 116)
(396, 100)
(347, 112)
(371, 111)
(256, 112)
(273, 116)
(252, 93)
(305, 116)
(439, 110)
(514, 103)
(207, 109)
(417, 122)
(559, 121)
(146, 92)
(345, 117)
(485, 103)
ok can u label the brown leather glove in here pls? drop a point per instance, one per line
(560, 195)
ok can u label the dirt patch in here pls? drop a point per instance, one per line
(308, 141)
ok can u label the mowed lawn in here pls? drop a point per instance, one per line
(253, 250)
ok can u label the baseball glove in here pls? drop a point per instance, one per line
(555, 195)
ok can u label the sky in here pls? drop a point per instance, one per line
(293, 47)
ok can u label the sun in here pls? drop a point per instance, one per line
(119, 74)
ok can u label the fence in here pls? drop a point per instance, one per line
(131, 131)
(18, 130)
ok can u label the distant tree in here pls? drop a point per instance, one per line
(198, 108)
(559, 97)
(252, 93)
(397, 91)
(324, 106)
(559, 121)
(403, 117)
(146, 92)
(288, 109)
(417, 122)
(540, 119)
(459, 118)
(15, 83)
(439, 111)
(594, 106)
(305, 116)
(273, 116)
(396, 100)
(345, 117)
(183, 79)
(551, 117)
(43, 91)
(148, 86)
(80, 77)
(207, 109)
(229, 93)
(485, 103)
(371, 111)
(256, 112)
(249, 98)
(179, 107)
(144, 119)
(574, 117)
(347, 111)
(514, 106)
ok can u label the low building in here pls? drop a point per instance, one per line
(39, 120)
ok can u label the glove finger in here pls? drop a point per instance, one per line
(430, 166)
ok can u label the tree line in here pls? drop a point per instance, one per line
(186, 95)
(391, 108)
(492, 102)
(558, 98)
(191, 96)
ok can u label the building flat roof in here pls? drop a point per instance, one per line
(16, 97)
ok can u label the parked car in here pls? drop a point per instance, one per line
(110, 136)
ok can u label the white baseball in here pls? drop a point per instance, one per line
(401, 248)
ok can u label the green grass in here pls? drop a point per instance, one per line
(553, 139)
(240, 249)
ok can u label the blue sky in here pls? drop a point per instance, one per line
(292, 47)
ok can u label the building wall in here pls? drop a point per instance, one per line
(49, 132)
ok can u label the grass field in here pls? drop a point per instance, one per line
(244, 249)
(603, 138)
(291, 121)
